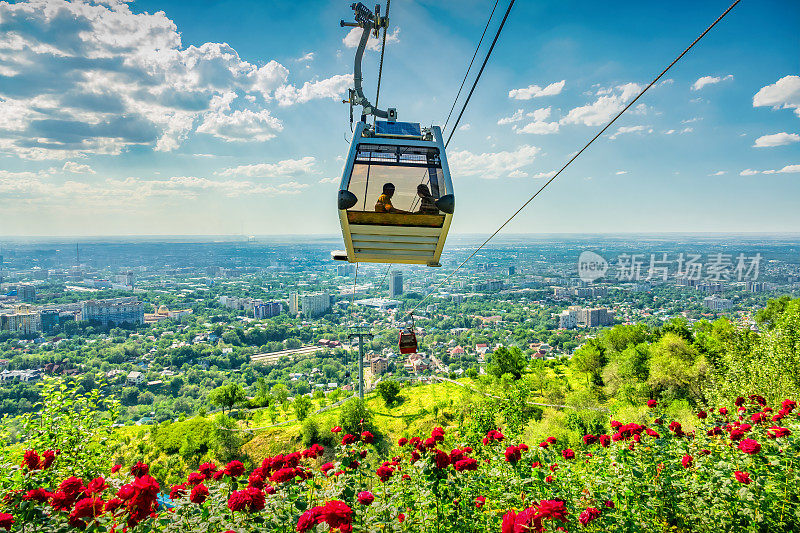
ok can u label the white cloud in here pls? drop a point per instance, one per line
(354, 36)
(329, 180)
(690, 120)
(541, 175)
(783, 94)
(718, 173)
(517, 174)
(621, 172)
(534, 91)
(465, 127)
(709, 80)
(332, 88)
(788, 169)
(631, 129)
(669, 132)
(306, 57)
(687, 130)
(518, 115)
(77, 168)
(610, 101)
(776, 139)
(492, 165)
(539, 126)
(97, 78)
(283, 168)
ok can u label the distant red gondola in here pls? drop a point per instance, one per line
(407, 342)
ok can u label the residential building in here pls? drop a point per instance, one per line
(568, 319)
(135, 378)
(595, 317)
(26, 292)
(396, 284)
(512, 270)
(310, 304)
(24, 319)
(50, 319)
(379, 365)
(381, 304)
(267, 310)
(346, 270)
(715, 303)
(113, 311)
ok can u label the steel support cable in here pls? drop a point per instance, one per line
(478, 77)
(574, 157)
(477, 48)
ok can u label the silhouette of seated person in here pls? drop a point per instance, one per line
(427, 203)
(384, 203)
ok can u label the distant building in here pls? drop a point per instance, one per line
(310, 304)
(114, 311)
(380, 304)
(396, 284)
(562, 292)
(715, 303)
(457, 298)
(26, 292)
(346, 270)
(568, 319)
(24, 319)
(50, 319)
(512, 270)
(595, 317)
(755, 286)
(489, 286)
(267, 310)
(135, 378)
(379, 365)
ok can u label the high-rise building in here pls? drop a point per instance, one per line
(595, 317)
(568, 319)
(24, 319)
(114, 311)
(346, 270)
(396, 284)
(267, 310)
(715, 303)
(512, 270)
(26, 292)
(311, 304)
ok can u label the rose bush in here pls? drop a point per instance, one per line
(736, 471)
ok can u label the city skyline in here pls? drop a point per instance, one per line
(157, 118)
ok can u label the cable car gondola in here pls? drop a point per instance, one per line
(407, 341)
(396, 197)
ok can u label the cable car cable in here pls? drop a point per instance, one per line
(455, 101)
(478, 77)
(574, 157)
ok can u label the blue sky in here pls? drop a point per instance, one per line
(208, 117)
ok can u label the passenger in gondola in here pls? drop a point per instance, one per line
(427, 204)
(384, 203)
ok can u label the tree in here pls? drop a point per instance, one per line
(389, 391)
(589, 359)
(280, 393)
(507, 361)
(302, 405)
(227, 396)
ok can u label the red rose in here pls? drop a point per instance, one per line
(441, 459)
(234, 469)
(702, 415)
(71, 485)
(749, 446)
(609, 504)
(177, 491)
(652, 404)
(437, 434)
(466, 464)
(548, 479)
(38, 495)
(509, 519)
(480, 501)
(777, 432)
(207, 469)
(337, 514)
(140, 469)
(687, 461)
(551, 440)
(553, 509)
(513, 454)
(327, 466)
(31, 460)
(588, 440)
(367, 437)
(199, 494)
(336, 429)
(6, 521)
(591, 513)
(113, 504)
(115, 469)
(568, 453)
(742, 477)
(402, 441)
(788, 405)
(401, 518)
(723, 411)
(47, 459)
(310, 518)
(348, 439)
(365, 498)
(385, 472)
(543, 445)
(739, 401)
(605, 440)
(97, 486)
(87, 507)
